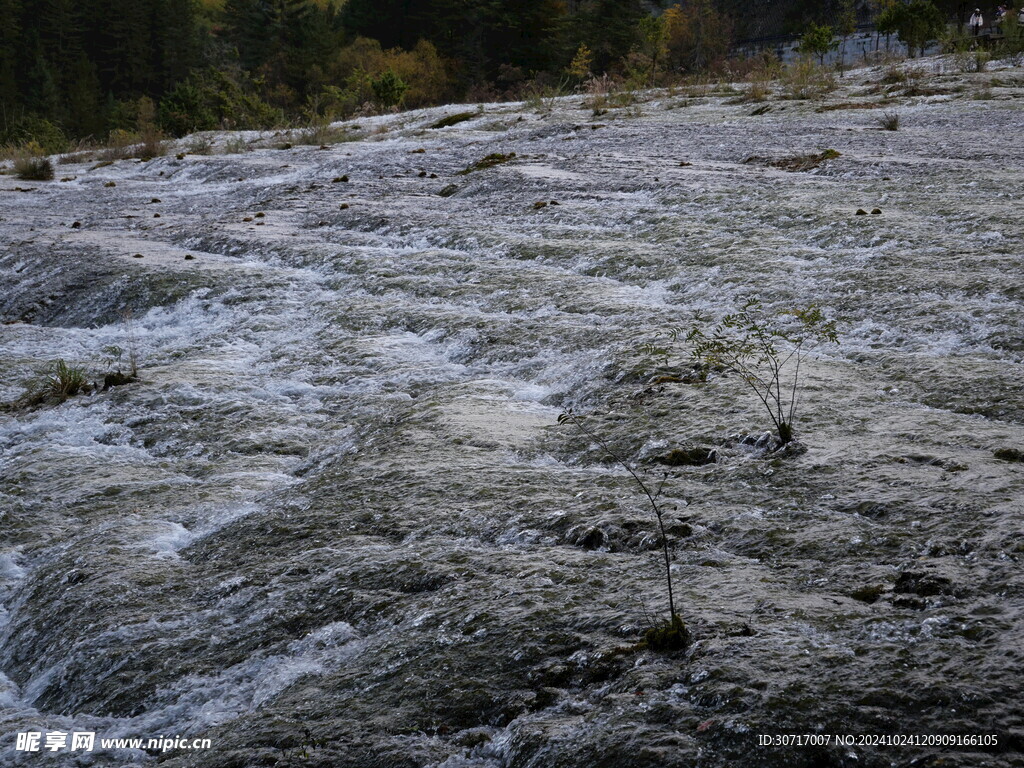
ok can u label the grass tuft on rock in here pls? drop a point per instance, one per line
(455, 119)
(30, 168)
(493, 159)
(670, 635)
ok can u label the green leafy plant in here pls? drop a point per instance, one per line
(917, 23)
(115, 377)
(53, 385)
(64, 381)
(389, 89)
(817, 41)
(671, 634)
(765, 351)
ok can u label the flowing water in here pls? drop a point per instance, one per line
(335, 523)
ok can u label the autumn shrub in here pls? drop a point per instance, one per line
(599, 91)
(151, 138)
(120, 145)
(697, 35)
(363, 72)
(804, 79)
(762, 74)
(31, 164)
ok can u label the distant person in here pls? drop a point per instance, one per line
(977, 22)
(1020, 16)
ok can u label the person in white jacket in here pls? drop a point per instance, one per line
(976, 22)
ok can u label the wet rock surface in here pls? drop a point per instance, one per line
(335, 514)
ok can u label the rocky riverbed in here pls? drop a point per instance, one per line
(335, 521)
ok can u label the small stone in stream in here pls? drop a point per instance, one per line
(539, 204)
(922, 584)
(286, 145)
(868, 595)
(861, 212)
(433, 175)
(155, 200)
(684, 164)
(260, 215)
(117, 379)
(76, 225)
(422, 174)
(247, 218)
(339, 179)
(180, 156)
(554, 202)
(1009, 454)
(419, 151)
(656, 178)
(156, 215)
(908, 602)
(136, 255)
(875, 211)
(260, 223)
(343, 206)
(689, 457)
(189, 257)
(68, 178)
(110, 184)
(448, 191)
(593, 539)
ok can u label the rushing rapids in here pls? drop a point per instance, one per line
(335, 522)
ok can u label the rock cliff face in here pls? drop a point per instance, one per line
(335, 522)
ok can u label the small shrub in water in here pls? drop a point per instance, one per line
(765, 351)
(56, 384)
(672, 633)
(65, 381)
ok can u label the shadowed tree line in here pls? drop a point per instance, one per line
(83, 68)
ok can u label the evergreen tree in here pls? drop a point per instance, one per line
(612, 30)
(10, 43)
(82, 114)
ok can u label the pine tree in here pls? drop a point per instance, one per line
(10, 40)
(82, 115)
(611, 28)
